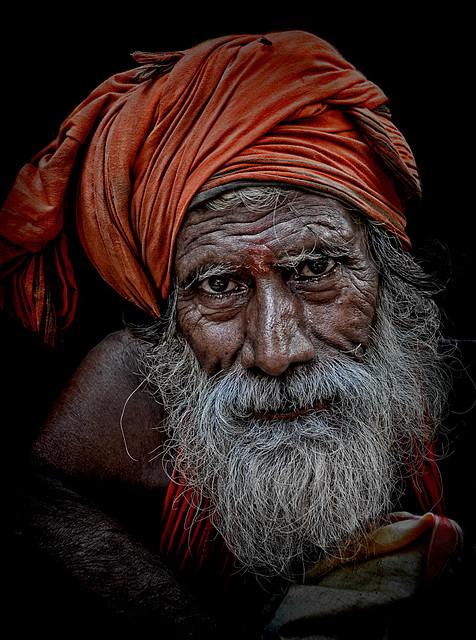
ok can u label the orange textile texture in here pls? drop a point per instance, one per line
(285, 108)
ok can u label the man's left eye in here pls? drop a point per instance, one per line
(317, 266)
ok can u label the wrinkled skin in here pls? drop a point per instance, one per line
(264, 308)
(267, 311)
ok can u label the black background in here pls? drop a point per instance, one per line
(422, 60)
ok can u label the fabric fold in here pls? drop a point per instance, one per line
(128, 161)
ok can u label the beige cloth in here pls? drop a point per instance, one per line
(337, 601)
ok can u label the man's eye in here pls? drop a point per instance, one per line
(218, 284)
(317, 266)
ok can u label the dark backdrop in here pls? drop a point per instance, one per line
(423, 62)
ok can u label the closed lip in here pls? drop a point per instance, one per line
(289, 415)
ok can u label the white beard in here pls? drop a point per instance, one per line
(284, 492)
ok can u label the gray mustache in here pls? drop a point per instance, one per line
(311, 386)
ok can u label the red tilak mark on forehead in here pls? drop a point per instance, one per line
(259, 258)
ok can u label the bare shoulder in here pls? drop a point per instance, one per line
(105, 424)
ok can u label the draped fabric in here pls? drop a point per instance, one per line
(188, 537)
(284, 108)
(192, 543)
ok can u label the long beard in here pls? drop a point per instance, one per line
(284, 492)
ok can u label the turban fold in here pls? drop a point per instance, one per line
(149, 142)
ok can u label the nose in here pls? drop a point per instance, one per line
(276, 336)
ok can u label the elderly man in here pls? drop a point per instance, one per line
(240, 465)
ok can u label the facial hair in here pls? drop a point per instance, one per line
(284, 492)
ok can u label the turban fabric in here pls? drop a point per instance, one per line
(149, 142)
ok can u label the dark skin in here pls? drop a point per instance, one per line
(288, 286)
(267, 292)
(256, 314)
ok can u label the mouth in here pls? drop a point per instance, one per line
(289, 415)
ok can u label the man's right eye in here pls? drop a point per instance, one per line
(218, 284)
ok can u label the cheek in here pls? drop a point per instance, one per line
(214, 343)
(346, 321)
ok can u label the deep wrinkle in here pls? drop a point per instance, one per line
(269, 315)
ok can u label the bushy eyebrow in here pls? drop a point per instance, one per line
(292, 262)
(207, 271)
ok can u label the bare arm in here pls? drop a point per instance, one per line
(105, 424)
(86, 492)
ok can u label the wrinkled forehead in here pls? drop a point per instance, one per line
(299, 222)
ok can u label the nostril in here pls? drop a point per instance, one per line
(274, 368)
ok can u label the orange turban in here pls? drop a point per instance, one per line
(285, 108)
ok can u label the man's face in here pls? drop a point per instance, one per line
(268, 291)
(297, 445)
